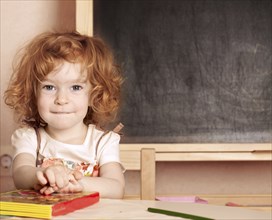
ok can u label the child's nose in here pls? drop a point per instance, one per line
(61, 98)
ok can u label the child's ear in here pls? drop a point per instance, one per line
(89, 104)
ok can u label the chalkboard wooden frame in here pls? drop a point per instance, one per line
(90, 16)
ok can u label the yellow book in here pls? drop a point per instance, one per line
(30, 203)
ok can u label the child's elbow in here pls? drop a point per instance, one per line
(120, 192)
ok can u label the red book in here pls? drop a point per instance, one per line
(30, 203)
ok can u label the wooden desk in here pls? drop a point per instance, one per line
(137, 209)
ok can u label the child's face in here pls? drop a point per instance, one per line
(63, 97)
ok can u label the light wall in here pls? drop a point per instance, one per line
(198, 178)
(20, 21)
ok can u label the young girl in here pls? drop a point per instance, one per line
(64, 90)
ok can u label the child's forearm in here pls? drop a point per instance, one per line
(107, 188)
(24, 177)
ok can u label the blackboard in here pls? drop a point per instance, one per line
(195, 71)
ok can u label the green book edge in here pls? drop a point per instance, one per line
(177, 214)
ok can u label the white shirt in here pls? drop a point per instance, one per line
(24, 140)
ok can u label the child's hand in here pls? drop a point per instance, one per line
(57, 178)
(56, 175)
(73, 185)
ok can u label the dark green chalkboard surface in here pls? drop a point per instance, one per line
(196, 71)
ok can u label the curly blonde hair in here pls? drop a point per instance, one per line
(43, 54)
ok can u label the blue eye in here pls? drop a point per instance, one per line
(49, 87)
(77, 87)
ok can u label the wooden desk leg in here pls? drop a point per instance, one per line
(148, 171)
